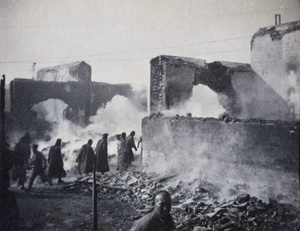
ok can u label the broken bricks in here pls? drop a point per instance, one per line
(196, 209)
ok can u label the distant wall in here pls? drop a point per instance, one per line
(79, 96)
(275, 57)
(76, 71)
(246, 150)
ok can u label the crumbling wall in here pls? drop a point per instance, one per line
(76, 71)
(241, 92)
(275, 57)
(83, 98)
(258, 152)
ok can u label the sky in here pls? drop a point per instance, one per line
(118, 38)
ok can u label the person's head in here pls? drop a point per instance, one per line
(104, 136)
(26, 139)
(35, 147)
(132, 133)
(162, 203)
(58, 142)
(123, 135)
(90, 142)
(118, 136)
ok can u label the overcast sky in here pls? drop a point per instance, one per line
(118, 38)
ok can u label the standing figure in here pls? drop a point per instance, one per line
(122, 152)
(9, 211)
(159, 219)
(39, 164)
(140, 144)
(131, 145)
(86, 158)
(56, 164)
(21, 156)
(102, 155)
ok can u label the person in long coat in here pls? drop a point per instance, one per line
(56, 164)
(122, 153)
(131, 145)
(102, 155)
(86, 158)
(21, 156)
(39, 163)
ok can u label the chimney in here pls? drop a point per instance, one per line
(33, 70)
(277, 19)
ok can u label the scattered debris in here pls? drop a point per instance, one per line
(193, 209)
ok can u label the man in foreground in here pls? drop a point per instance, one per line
(159, 219)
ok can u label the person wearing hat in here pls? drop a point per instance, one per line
(39, 163)
(102, 155)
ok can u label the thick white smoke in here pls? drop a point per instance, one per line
(119, 115)
(203, 103)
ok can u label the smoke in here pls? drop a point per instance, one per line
(229, 179)
(293, 94)
(119, 115)
(203, 103)
(174, 148)
(50, 110)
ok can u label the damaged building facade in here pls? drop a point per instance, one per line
(256, 141)
(69, 83)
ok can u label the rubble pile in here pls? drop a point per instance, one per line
(227, 119)
(193, 208)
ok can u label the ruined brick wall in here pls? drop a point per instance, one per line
(241, 92)
(263, 152)
(275, 57)
(83, 98)
(101, 93)
(157, 83)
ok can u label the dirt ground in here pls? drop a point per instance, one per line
(54, 208)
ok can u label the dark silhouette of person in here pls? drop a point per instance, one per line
(159, 219)
(39, 164)
(9, 210)
(122, 152)
(21, 156)
(86, 158)
(102, 155)
(56, 164)
(131, 145)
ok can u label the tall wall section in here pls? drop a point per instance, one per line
(275, 56)
(241, 92)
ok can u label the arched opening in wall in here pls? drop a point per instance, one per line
(51, 110)
(203, 102)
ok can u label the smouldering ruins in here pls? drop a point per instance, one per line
(255, 141)
(70, 83)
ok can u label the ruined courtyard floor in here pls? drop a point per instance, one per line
(54, 208)
(51, 208)
(124, 198)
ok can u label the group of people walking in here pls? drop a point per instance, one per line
(47, 170)
(54, 166)
(125, 153)
(87, 156)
